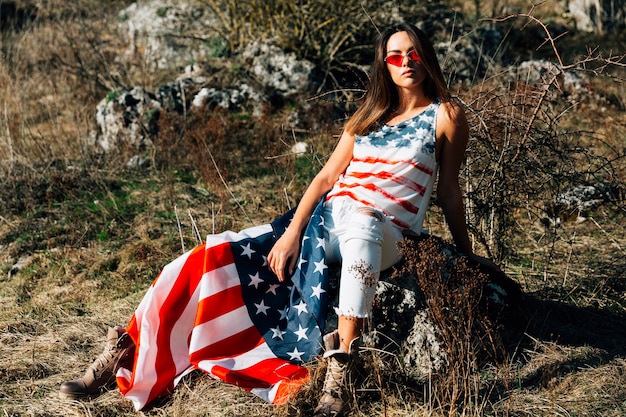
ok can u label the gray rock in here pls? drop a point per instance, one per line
(598, 16)
(234, 99)
(277, 70)
(540, 73)
(129, 116)
(168, 34)
(126, 116)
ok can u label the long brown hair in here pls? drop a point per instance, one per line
(381, 97)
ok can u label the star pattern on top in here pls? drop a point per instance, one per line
(402, 135)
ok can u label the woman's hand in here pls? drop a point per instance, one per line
(284, 255)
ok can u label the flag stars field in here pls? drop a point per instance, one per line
(255, 280)
(261, 307)
(320, 266)
(301, 307)
(277, 333)
(296, 355)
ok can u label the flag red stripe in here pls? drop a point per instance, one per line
(234, 345)
(218, 304)
(373, 188)
(169, 315)
(412, 185)
(374, 160)
(221, 256)
(249, 378)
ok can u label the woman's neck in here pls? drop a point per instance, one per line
(410, 103)
(407, 108)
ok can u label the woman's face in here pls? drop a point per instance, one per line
(403, 63)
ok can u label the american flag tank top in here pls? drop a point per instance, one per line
(393, 169)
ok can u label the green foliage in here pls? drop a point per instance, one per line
(185, 175)
(218, 47)
(113, 95)
(150, 114)
(162, 11)
(307, 166)
(74, 205)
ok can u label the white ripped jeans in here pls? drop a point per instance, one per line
(364, 241)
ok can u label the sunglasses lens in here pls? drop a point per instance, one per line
(395, 60)
(413, 56)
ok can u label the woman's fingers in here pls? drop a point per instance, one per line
(282, 258)
(292, 265)
(277, 264)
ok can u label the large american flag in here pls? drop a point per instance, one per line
(220, 309)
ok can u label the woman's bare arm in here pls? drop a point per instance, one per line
(453, 132)
(283, 257)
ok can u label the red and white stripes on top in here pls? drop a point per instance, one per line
(393, 169)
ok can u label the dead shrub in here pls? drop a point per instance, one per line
(468, 330)
(218, 144)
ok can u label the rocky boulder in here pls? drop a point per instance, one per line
(167, 34)
(126, 116)
(130, 116)
(277, 71)
(598, 16)
(542, 74)
(433, 297)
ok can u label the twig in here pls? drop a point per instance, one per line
(9, 140)
(370, 19)
(212, 218)
(180, 230)
(567, 263)
(530, 16)
(195, 227)
(287, 198)
(608, 235)
(342, 90)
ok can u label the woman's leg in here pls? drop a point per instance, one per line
(366, 243)
(367, 246)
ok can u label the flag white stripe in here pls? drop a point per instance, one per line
(220, 328)
(243, 361)
(218, 280)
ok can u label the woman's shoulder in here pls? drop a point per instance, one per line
(451, 113)
(451, 109)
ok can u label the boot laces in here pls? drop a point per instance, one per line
(111, 353)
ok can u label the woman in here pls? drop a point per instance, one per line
(374, 188)
(379, 180)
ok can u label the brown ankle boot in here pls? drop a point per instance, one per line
(333, 398)
(101, 373)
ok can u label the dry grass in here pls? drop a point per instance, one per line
(90, 236)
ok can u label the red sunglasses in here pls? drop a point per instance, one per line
(397, 59)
